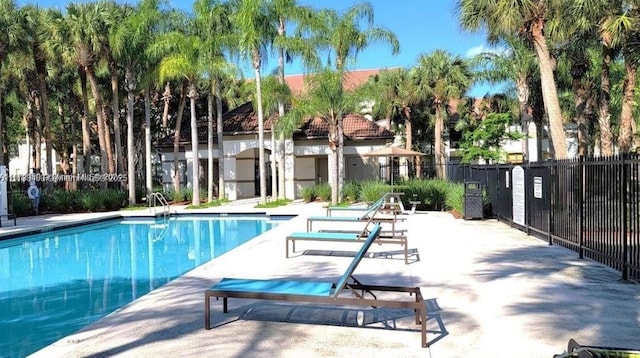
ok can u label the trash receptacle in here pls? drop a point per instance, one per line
(473, 200)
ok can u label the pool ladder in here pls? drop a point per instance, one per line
(156, 198)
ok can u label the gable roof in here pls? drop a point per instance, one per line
(244, 120)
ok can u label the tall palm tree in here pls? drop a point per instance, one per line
(214, 28)
(507, 18)
(516, 63)
(254, 32)
(442, 77)
(326, 100)
(129, 41)
(343, 37)
(289, 12)
(34, 22)
(10, 36)
(182, 62)
(624, 31)
(87, 27)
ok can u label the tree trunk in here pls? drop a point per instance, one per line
(261, 160)
(86, 133)
(74, 162)
(115, 109)
(210, 182)
(97, 97)
(147, 141)
(166, 97)
(340, 157)
(409, 136)
(176, 139)
(580, 97)
(131, 169)
(549, 91)
(2, 140)
(439, 147)
(625, 136)
(193, 96)
(522, 91)
(278, 146)
(220, 136)
(604, 115)
(333, 161)
(37, 135)
(46, 116)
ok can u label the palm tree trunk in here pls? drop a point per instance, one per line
(625, 136)
(261, 160)
(107, 141)
(193, 96)
(115, 109)
(37, 135)
(604, 115)
(333, 161)
(131, 172)
(210, 182)
(522, 91)
(97, 97)
(580, 97)
(74, 150)
(549, 91)
(166, 97)
(278, 153)
(176, 139)
(220, 135)
(2, 162)
(86, 134)
(42, 85)
(340, 157)
(147, 141)
(439, 148)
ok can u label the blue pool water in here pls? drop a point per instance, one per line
(52, 284)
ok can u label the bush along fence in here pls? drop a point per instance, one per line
(589, 205)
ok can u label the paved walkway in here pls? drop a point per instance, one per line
(491, 291)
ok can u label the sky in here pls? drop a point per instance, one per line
(422, 26)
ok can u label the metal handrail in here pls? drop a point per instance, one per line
(157, 197)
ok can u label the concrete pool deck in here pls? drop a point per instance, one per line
(491, 291)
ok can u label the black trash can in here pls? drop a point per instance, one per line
(473, 200)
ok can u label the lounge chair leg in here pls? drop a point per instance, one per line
(207, 312)
(287, 247)
(224, 305)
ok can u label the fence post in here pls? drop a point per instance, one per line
(581, 198)
(624, 227)
(552, 190)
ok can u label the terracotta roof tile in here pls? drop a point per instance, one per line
(244, 119)
(352, 80)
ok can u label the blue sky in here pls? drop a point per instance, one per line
(421, 26)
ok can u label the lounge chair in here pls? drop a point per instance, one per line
(579, 351)
(376, 204)
(321, 292)
(392, 237)
(371, 213)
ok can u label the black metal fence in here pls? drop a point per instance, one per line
(589, 205)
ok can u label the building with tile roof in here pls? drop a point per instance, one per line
(306, 153)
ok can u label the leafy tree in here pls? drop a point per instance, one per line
(484, 139)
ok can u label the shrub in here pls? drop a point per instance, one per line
(372, 190)
(21, 204)
(92, 201)
(323, 191)
(113, 199)
(308, 194)
(455, 197)
(63, 201)
(351, 191)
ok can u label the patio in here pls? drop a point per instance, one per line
(490, 290)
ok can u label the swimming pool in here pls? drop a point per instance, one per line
(54, 283)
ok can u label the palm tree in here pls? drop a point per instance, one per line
(442, 77)
(182, 63)
(214, 27)
(326, 100)
(254, 32)
(624, 31)
(343, 37)
(505, 18)
(87, 26)
(36, 31)
(129, 41)
(10, 36)
(302, 17)
(516, 63)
